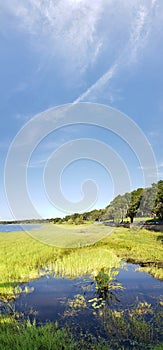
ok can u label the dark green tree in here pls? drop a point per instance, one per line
(117, 209)
(158, 207)
(135, 201)
(148, 201)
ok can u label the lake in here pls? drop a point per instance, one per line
(18, 227)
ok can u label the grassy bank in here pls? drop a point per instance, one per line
(21, 256)
(24, 335)
(138, 246)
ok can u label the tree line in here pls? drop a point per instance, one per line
(147, 202)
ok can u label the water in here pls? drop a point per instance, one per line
(18, 227)
(78, 303)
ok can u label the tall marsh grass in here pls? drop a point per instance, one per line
(21, 256)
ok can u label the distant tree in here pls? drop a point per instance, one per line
(134, 205)
(93, 215)
(67, 217)
(79, 220)
(140, 202)
(60, 221)
(70, 221)
(56, 220)
(148, 201)
(117, 209)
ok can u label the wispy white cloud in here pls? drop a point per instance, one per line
(139, 33)
(61, 28)
(80, 35)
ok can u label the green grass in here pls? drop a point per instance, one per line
(20, 258)
(131, 332)
(85, 261)
(17, 336)
(21, 255)
(26, 336)
(139, 245)
(70, 236)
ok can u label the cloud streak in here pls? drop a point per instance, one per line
(140, 30)
(78, 36)
(61, 28)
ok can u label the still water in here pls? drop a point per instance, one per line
(81, 304)
(17, 227)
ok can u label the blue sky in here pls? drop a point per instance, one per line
(68, 51)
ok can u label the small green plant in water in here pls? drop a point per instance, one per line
(106, 286)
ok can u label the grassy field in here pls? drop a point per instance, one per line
(138, 246)
(21, 255)
(71, 236)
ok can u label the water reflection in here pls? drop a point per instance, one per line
(106, 286)
(120, 305)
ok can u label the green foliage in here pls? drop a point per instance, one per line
(135, 201)
(125, 330)
(79, 220)
(106, 286)
(17, 336)
(56, 221)
(158, 208)
(25, 335)
(70, 221)
(20, 258)
(86, 261)
(117, 209)
(148, 201)
(141, 203)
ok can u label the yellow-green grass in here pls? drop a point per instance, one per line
(71, 236)
(21, 255)
(84, 261)
(138, 246)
